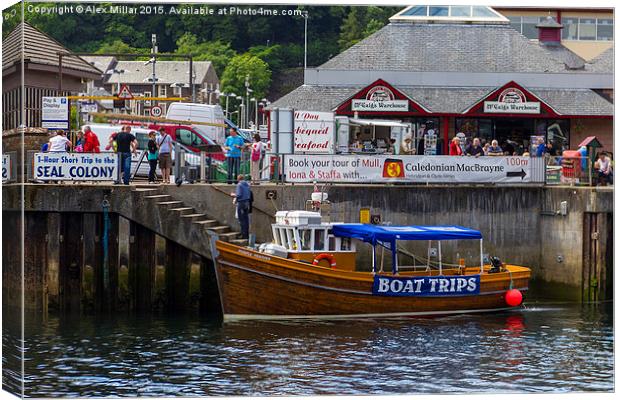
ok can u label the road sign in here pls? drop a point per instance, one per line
(55, 113)
(124, 93)
(156, 111)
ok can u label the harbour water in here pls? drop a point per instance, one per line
(549, 346)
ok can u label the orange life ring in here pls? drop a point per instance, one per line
(324, 256)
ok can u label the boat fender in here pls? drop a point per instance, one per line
(324, 256)
(513, 297)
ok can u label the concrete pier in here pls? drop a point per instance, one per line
(565, 234)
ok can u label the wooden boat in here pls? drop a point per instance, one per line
(309, 272)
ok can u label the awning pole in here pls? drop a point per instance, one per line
(481, 258)
(394, 258)
(428, 256)
(374, 258)
(439, 248)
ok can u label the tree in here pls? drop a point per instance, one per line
(217, 52)
(240, 66)
(118, 46)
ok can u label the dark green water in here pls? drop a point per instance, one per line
(546, 347)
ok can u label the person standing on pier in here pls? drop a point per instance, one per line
(152, 156)
(233, 146)
(126, 144)
(242, 197)
(164, 145)
(91, 142)
(258, 148)
(59, 143)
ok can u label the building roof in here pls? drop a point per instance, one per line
(447, 100)
(101, 62)
(167, 72)
(447, 48)
(570, 59)
(603, 63)
(39, 48)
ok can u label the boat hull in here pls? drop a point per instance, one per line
(253, 285)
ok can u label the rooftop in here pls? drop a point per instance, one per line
(39, 48)
(167, 72)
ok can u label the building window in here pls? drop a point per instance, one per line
(570, 29)
(163, 91)
(526, 25)
(587, 29)
(605, 29)
(529, 29)
(147, 102)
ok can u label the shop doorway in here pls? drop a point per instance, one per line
(514, 133)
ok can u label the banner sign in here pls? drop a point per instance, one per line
(426, 286)
(531, 107)
(55, 113)
(415, 169)
(76, 166)
(386, 105)
(6, 168)
(512, 100)
(314, 132)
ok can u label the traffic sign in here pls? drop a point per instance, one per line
(156, 111)
(124, 93)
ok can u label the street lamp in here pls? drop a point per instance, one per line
(235, 112)
(227, 95)
(305, 15)
(255, 113)
(241, 114)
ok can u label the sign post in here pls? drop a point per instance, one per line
(55, 113)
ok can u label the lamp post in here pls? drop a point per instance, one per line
(227, 96)
(241, 113)
(235, 112)
(305, 15)
(255, 113)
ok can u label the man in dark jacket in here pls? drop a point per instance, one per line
(243, 195)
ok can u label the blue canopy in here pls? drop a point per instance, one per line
(388, 233)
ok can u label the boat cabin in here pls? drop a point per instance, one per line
(301, 235)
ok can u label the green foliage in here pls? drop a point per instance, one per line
(217, 52)
(233, 79)
(362, 22)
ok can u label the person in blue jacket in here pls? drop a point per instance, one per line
(233, 146)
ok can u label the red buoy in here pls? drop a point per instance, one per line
(513, 297)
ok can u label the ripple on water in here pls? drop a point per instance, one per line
(541, 349)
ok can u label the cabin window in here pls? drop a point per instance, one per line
(345, 244)
(332, 243)
(282, 234)
(290, 235)
(276, 236)
(306, 239)
(319, 239)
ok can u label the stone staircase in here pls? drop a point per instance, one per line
(188, 217)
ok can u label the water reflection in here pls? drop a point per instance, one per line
(546, 348)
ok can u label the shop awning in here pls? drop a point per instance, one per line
(376, 122)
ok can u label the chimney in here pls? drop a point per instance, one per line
(549, 31)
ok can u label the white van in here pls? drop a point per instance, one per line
(200, 113)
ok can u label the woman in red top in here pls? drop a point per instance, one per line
(455, 147)
(91, 142)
